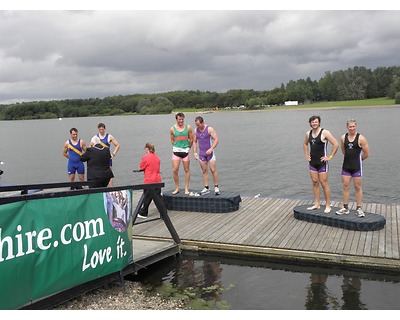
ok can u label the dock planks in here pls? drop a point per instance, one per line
(266, 226)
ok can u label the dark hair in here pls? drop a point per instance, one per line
(313, 118)
(201, 120)
(179, 114)
(73, 129)
(101, 125)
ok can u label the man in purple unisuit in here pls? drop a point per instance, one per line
(206, 139)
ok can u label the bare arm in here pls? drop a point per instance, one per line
(364, 146)
(305, 147)
(195, 144)
(65, 150)
(171, 134)
(83, 145)
(115, 143)
(190, 136)
(342, 144)
(214, 136)
(335, 145)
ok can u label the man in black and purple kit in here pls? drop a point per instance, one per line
(355, 150)
(318, 158)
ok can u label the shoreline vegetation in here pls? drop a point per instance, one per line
(376, 102)
(51, 109)
(354, 86)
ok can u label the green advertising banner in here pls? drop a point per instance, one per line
(50, 245)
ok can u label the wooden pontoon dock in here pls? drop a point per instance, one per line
(267, 227)
(247, 227)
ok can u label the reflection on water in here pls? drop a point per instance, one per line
(351, 294)
(320, 298)
(317, 296)
(230, 283)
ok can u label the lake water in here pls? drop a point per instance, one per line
(259, 153)
(227, 283)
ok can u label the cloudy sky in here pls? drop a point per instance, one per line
(59, 54)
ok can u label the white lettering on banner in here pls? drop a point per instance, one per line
(7, 242)
(82, 230)
(13, 246)
(41, 237)
(98, 257)
(120, 248)
(19, 240)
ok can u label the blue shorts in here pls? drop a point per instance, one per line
(76, 167)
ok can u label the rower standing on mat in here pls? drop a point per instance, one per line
(206, 139)
(318, 158)
(181, 140)
(355, 150)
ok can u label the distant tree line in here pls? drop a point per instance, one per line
(355, 83)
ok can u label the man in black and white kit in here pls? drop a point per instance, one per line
(318, 158)
(355, 150)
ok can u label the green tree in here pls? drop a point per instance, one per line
(394, 87)
(397, 98)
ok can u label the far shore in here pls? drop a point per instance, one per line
(289, 108)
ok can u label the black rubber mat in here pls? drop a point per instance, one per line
(225, 202)
(351, 221)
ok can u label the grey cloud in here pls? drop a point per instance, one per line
(73, 54)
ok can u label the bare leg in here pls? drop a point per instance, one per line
(81, 178)
(204, 169)
(323, 178)
(175, 171)
(315, 182)
(346, 189)
(186, 165)
(213, 169)
(357, 186)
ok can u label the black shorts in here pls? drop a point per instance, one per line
(181, 154)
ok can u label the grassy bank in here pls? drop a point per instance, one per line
(332, 104)
(353, 103)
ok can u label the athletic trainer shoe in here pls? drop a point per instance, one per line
(205, 191)
(141, 216)
(216, 190)
(360, 213)
(343, 211)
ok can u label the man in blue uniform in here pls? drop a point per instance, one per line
(73, 149)
(106, 140)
